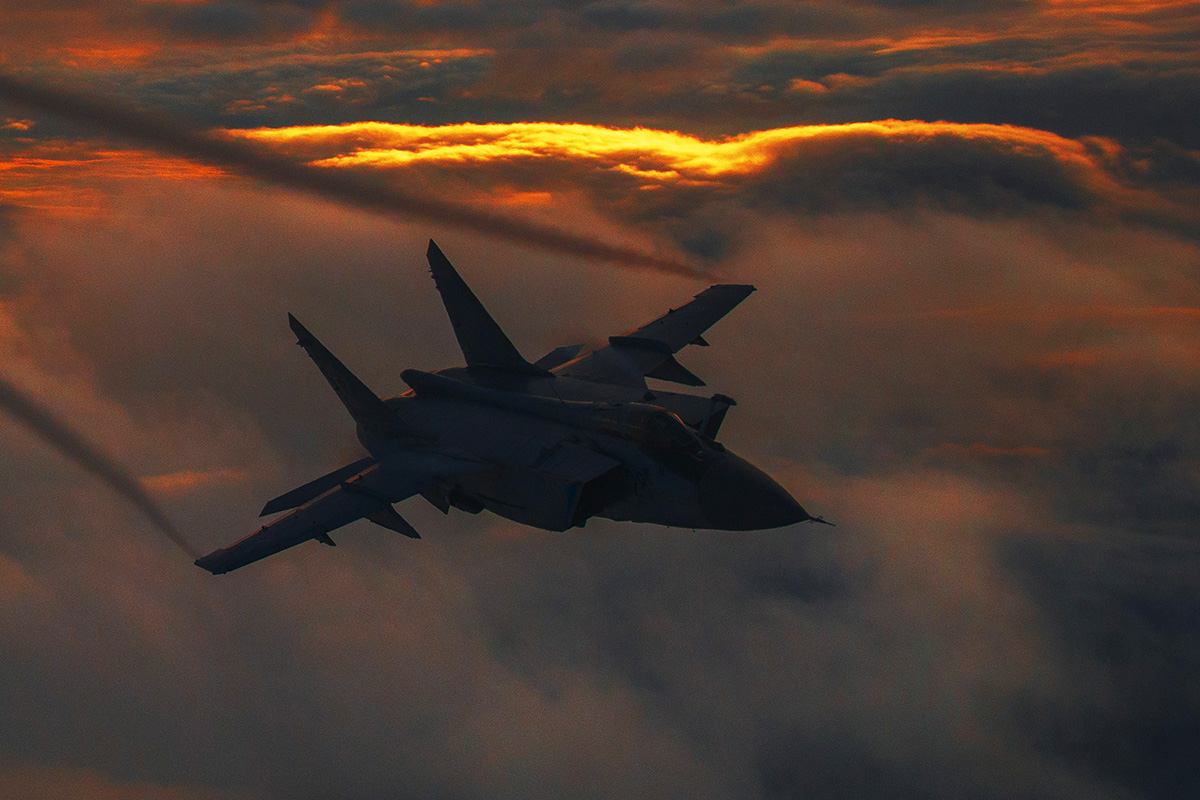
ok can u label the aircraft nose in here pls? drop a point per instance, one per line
(737, 496)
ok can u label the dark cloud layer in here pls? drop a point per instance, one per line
(964, 631)
(1087, 69)
(225, 21)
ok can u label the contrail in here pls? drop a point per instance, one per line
(89, 456)
(210, 148)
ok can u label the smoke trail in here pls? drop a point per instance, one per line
(88, 456)
(211, 148)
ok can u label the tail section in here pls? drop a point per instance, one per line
(482, 341)
(371, 414)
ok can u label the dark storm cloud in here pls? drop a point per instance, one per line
(625, 16)
(1128, 104)
(706, 67)
(229, 20)
(416, 86)
(1132, 606)
(483, 17)
(748, 21)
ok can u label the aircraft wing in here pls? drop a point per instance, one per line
(368, 495)
(649, 351)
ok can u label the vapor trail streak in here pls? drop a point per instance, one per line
(210, 148)
(88, 456)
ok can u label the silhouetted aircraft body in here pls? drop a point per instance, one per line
(550, 444)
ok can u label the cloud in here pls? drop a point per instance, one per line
(1042, 65)
(187, 480)
(38, 419)
(36, 782)
(1128, 608)
(652, 176)
(223, 21)
(973, 347)
(208, 149)
(617, 659)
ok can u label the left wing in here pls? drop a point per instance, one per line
(369, 495)
(649, 351)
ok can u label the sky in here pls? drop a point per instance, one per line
(974, 230)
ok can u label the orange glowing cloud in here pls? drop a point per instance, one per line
(654, 155)
(1077, 173)
(507, 161)
(188, 480)
(100, 54)
(70, 180)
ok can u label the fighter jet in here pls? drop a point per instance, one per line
(574, 435)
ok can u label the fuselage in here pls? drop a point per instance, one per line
(663, 471)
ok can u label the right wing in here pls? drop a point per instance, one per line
(368, 495)
(649, 351)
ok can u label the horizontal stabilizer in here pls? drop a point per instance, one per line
(558, 356)
(672, 370)
(302, 494)
(387, 517)
(482, 341)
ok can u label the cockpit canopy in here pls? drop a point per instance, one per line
(651, 426)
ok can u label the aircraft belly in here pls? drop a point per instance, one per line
(524, 496)
(659, 496)
(527, 496)
(553, 487)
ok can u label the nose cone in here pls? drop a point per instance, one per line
(737, 496)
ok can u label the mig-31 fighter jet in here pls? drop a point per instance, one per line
(551, 443)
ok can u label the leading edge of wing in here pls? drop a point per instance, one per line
(682, 326)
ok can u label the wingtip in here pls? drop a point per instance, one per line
(208, 567)
(301, 332)
(744, 289)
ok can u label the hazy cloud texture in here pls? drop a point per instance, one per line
(973, 230)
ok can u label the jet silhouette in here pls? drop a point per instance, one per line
(551, 444)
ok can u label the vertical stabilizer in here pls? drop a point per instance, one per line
(364, 405)
(482, 341)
